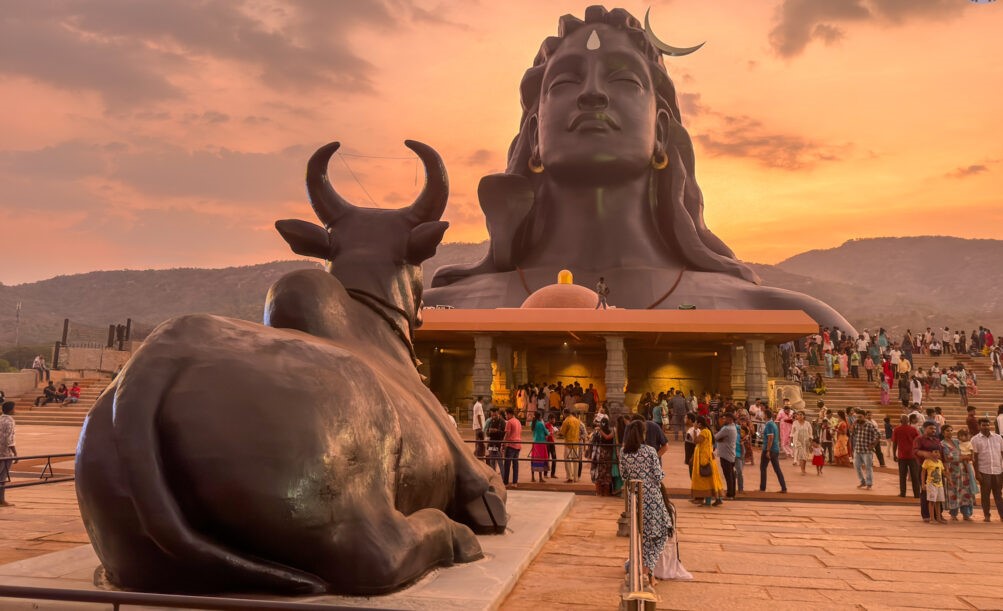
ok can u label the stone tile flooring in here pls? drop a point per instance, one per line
(778, 555)
(748, 554)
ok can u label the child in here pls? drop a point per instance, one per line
(817, 456)
(965, 446)
(933, 481)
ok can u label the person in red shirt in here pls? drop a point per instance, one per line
(513, 445)
(972, 422)
(74, 393)
(902, 450)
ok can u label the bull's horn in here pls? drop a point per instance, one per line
(327, 204)
(431, 201)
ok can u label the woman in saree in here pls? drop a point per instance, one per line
(539, 454)
(785, 420)
(602, 457)
(801, 436)
(640, 461)
(844, 364)
(957, 479)
(706, 483)
(841, 449)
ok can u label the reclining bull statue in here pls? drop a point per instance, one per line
(301, 457)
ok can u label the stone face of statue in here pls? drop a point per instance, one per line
(597, 109)
(583, 192)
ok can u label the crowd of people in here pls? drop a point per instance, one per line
(890, 365)
(51, 394)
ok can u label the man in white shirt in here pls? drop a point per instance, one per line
(946, 338)
(477, 422)
(988, 449)
(896, 357)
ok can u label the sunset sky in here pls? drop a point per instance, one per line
(138, 134)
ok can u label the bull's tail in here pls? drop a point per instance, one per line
(136, 404)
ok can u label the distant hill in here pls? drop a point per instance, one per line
(891, 282)
(916, 282)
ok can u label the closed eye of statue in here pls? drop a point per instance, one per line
(564, 79)
(625, 77)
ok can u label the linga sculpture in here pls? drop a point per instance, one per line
(601, 180)
(305, 456)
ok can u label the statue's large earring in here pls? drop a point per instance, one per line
(535, 163)
(659, 160)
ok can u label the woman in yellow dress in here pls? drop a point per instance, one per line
(706, 483)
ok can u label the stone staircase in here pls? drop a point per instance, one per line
(60, 414)
(849, 392)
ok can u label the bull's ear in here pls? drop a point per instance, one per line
(423, 241)
(305, 238)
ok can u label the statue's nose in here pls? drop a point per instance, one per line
(593, 100)
(592, 97)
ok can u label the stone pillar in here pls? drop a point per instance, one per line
(738, 391)
(481, 374)
(755, 369)
(521, 373)
(616, 374)
(504, 369)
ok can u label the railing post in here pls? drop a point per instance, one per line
(636, 594)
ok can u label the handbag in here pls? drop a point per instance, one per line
(705, 470)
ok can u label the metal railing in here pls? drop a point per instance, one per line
(45, 476)
(637, 594)
(614, 456)
(177, 601)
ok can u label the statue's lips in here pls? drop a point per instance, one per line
(593, 121)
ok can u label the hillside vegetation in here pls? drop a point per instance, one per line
(891, 282)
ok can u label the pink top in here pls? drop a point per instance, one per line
(513, 433)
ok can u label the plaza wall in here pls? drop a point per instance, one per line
(19, 383)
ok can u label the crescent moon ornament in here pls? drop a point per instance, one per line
(666, 49)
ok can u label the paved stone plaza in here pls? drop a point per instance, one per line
(770, 552)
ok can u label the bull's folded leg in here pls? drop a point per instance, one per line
(390, 553)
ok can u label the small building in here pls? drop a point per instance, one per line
(558, 335)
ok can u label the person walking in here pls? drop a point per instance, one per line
(801, 436)
(639, 461)
(988, 458)
(771, 452)
(7, 448)
(706, 486)
(865, 435)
